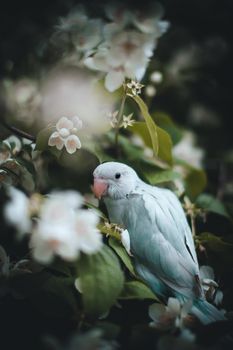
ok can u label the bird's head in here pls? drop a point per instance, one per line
(114, 180)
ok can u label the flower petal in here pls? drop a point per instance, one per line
(40, 250)
(64, 123)
(173, 306)
(88, 237)
(98, 61)
(77, 284)
(16, 210)
(56, 140)
(69, 198)
(156, 311)
(72, 143)
(114, 80)
(218, 298)
(206, 272)
(77, 122)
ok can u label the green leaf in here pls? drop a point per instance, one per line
(131, 152)
(109, 231)
(221, 248)
(141, 129)
(101, 280)
(165, 146)
(19, 173)
(160, 139)
(195, 181)
(137, 290)
(164, 121)
(27, 180)
(162, 176)
(121, 252)
(43, 137)
(211, 204)
(95, 149)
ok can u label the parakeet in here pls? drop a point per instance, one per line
(161, 241)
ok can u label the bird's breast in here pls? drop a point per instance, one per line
(116, 210)
(131, 214)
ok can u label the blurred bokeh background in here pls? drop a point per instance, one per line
(195, 57)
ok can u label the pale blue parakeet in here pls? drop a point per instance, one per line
(160, 238)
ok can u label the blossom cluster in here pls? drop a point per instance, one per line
(120, 48)
(66, 134)
(171, 316)
(176, 314)
(57, 224)
(22, 97)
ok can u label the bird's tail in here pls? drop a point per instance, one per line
(206, 312)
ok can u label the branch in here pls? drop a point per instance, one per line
(18, 132)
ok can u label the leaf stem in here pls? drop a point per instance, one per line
(190, 211)
(120, 115)
(18, 132)
(193, 226)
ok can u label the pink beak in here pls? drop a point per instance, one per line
(99, 188)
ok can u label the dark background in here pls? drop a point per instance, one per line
(25, 27)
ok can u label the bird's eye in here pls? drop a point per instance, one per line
(117, 175)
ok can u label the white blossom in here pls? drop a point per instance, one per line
(88, 36)
(134, 87)
(63, 229)
(17, 211)
(53, 238)
(112, 116)
(71, 91)
(170, 316)
(127, 121)
(118, 13)
(187, 151)
(87, 235)
(76, 18)
(23, 99)
(209, 285)
(147, 21)
(125, 54)
(14, 144)
(84, 33)
(65, 134)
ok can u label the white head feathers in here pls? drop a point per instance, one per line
(120, 179)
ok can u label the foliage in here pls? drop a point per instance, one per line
(101, 281)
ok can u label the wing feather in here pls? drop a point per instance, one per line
(163, 240)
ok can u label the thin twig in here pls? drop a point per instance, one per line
(18, 132)
(193, 225)
(190, 212)
(120, 115)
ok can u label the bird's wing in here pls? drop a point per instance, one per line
(167, 248)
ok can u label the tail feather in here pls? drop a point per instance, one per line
(206, 312)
